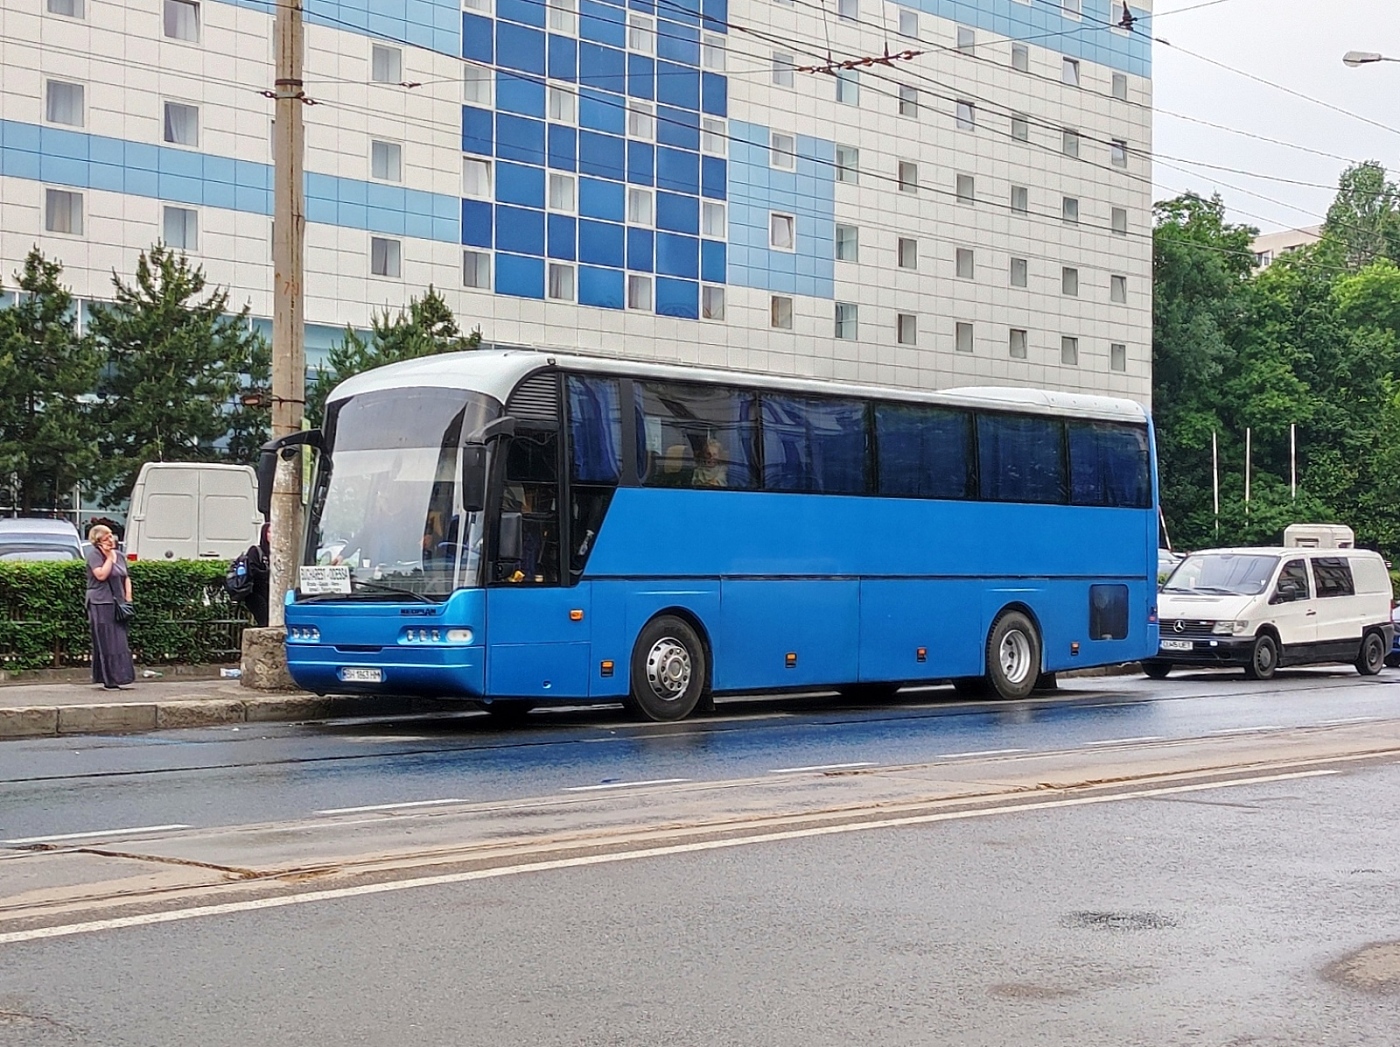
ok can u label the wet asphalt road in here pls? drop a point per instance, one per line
(227, 776)
(1220, 918)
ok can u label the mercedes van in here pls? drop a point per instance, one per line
(1266, 608)
(192, 511)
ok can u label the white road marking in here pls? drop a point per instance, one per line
(819, 767)
(1127, 741)
(979, 752)
(390, 806)
(583, 861)
(622, 785)
(1247, 730)
(1349, 719)
(98, 835)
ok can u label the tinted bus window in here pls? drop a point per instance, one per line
(925, 452)
(695, 436)
(1020, 458)
(1108, 465)
(818, 446)
(595, 429)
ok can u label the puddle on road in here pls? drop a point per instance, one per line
(1117, 921)
(1375, 968)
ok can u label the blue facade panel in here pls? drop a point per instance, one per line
(714, 94)
(679, 298)
(526, 12)
(678, 255)
(641, 76)
(602, 155)
(519, 47)
(563, 147)
(600, 287)
(519, 94)
(714, 177)
(520, 139)
(601, 111)
(712, 257)
(520, 230)
(478, 39)
(677, 170)
(604, 68)
(601, 23)
(600, 199)
(478, 131)
(678, 43)
(563, 57)
(678, 85)
(641, 163)
(601, 243)
(520, 277)
(678, 127)
(678, 214)
(563, 237)
(520, 185)
(640, 250)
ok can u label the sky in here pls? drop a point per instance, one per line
(1296, 44)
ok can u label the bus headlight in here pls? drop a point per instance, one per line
(1230, 628)
(307, 633)
(460, 636)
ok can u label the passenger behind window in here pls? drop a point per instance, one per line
(709, 472)
(675, 468)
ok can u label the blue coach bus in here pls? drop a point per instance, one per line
(516, 527)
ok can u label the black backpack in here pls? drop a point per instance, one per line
(238, 579)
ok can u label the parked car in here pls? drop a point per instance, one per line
(1266, 608)
(33, 539)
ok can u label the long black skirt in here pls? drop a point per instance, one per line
(111, 653)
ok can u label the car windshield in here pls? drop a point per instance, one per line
(1222, 574)
(386, 499)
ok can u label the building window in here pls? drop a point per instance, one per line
(713, 220)
(847, 164)
(782, 232)
(182, 124)
(641, 121)
(908, 176)
(847, 87)
(909, 101)
(63, 103)
(561, 282)
(908, 23)
(1017, 345)
(641, 34)
(385, 64)
(563, 105)
(1118, 289)
(714, 136)
(711, 302)
(1117, 357)
(1069, 143)
(966, 264)
(782, 151)
(482, 6)
(639, 206)
(1069, 72)
(847, 243)
(906, 329)
(849, 9)
(1118, 152)
(384, 256)
(1069, 351)
(63, 212)
(908, 253)
(962, 336)
(562, 192)
(1069, 281)
(967, 189)
(1120, 86)
(476, 270)
(386, 161)
(563, 16)
(1120, 221)
(1020, 271)
(182, 20)
(967, 116)
(780, 312)
(782, 69)
(1020, 128)
(847, 321)
(67, 8)
(639, 292)
(476, 178)
(1020, 199)
(967, 40)
(712, 54)
(477, 83)
(1020, 58)
(1069, 210)
(180, 228)
(1072, 7)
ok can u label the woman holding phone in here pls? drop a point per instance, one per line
(108, 595)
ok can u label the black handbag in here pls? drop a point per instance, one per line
(126, 611)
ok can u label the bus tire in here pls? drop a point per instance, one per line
(1373, 654)
(1263, 659)
(1156, 670)
(1013, 655)
(670, 667)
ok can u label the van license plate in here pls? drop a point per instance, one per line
(362, 675)
(1176, 645)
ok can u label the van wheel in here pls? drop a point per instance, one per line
(1373, 653)
(1013, 656)
(1156, 670)
(669, 671)
(1263, 660)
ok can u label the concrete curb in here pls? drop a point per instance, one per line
(83, 674)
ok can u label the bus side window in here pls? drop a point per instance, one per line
(1021, 458)
(1109, 465)
(925, 452)
(814, 445)
(695, 436)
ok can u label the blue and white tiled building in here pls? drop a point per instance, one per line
(690, 180)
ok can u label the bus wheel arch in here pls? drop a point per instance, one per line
(670, 668)
(1014, 652)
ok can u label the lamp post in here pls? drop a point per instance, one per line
(1354, 59)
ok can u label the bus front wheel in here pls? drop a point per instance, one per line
(669, 671)
(1013, 655)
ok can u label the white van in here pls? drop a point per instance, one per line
(192, 511)
(1263, 608)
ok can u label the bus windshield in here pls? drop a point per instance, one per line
(1222, 574)
(387, 502)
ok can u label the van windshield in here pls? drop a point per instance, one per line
(1222, 574)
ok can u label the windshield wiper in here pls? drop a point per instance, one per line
(1215, 590)
(380, 587)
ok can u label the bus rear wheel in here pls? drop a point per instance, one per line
(669, 670)
(1013, 655)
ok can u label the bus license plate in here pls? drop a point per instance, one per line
(1176, 645)
(362, 675)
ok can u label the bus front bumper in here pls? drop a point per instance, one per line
(447, 672)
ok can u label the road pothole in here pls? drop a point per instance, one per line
(1118, 921)
(1375, 968)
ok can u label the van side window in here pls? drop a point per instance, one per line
(1294, 571)
(1333, 575)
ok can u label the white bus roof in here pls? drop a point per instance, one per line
(496, 372)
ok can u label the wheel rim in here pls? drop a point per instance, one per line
(668, 669)
(1375, 652)
(1015, 656)
(1264, 657)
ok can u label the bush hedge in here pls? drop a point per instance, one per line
(183, 615)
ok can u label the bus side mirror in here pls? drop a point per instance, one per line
(510, 545)
(473, 478)
(286, 447)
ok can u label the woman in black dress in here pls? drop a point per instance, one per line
(108, 584)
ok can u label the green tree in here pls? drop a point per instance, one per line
(177, 364)
(1363, 223)
(425, 328)
(47, 375)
